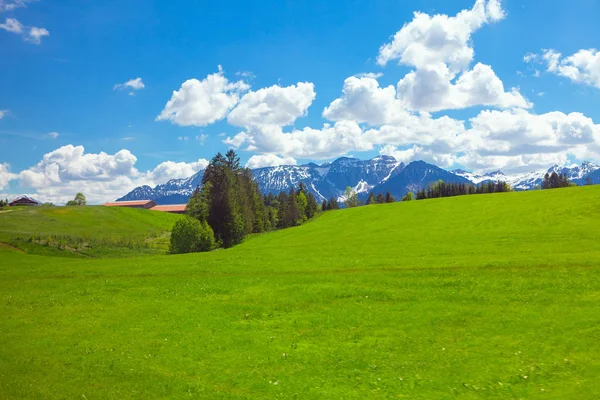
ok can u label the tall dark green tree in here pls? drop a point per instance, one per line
(380, 199)
(389, 198)
(333, 204)
(324, 206)
(371, 198)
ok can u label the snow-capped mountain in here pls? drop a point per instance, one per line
(324, 181)
(579, 174)
(380, 174)
(477, 179)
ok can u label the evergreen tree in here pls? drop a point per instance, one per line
(311, 206)
(389, 198)
(324, 206)
(351, 198)
(371, 198)
(333, 204)
(197, 206)
(380, 199)
(302, 202)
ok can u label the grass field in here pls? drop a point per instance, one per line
(488, 296)
(95, 231)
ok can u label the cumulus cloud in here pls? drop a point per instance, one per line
(363, 100)
(175, 170)
(199, 103)
(428, 40)
(440, 49)
(582, 67)
(29, 34)
(268, 160)
(322, 143)
(5, 175)
(7, 5)
(35, 35)
(12, 25)
(100, 176)
(431, 89)
(132, 84)
(273, 105)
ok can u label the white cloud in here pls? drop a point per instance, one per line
(431, 89)
(30, 34)
(268, 160)
(68, 170)
(13, 5)
(582, 67)
(53, 135)
(202, 138)
(101, 177)
(35, 35)
(175, 170)
(404, 155)
(12, 25)
(183, 138)
(323, 143)
(5, 175)
(273, 105)
(133, 84)
(440, 49)
(364, 101)
(3, 113)
(442, 39)
(199, 103)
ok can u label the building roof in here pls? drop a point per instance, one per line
(170, 208)
(128, 203)
(31, 199)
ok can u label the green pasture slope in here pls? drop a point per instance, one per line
(489, 296)
(92, 231)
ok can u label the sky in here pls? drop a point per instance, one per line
(102, 97)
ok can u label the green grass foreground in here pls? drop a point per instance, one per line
(91, 231)
(488, 296)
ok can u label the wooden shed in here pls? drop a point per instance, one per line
(173, 208)
(147, 204)
(24, 201)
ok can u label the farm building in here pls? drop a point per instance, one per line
(24, 201)
(147, 204)
(174, 208)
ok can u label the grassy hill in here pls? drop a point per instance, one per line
(86, 231)
(489, 296)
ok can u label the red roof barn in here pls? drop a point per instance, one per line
(147, 204)
(24, 201)
(174, 208)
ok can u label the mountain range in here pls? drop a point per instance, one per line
(379, 174)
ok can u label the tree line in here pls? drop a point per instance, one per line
(229, 206)
(443, 189)
(555, 181)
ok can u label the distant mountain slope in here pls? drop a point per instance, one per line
(378, 174)
(417, 175)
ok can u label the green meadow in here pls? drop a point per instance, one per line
(86, 231)
(484, 296)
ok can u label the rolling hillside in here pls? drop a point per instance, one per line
(86, 231)
(486, 296)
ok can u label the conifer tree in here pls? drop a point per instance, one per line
(389, 198)
(333, 204)
(380, 199)
(311, 206)
(324, 206)
(371, 198)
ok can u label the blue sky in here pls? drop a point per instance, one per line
(60, 62)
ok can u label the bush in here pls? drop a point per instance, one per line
(190, 235)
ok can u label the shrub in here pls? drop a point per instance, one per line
(190, 235)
